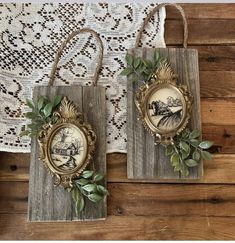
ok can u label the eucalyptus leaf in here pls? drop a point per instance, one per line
(185, 154)
(89, 187)
(194, 134)
(30, 104)
(102, 190)
(129, 59)
(33, 126)
(48, 109)
(94, 197)
(57, 100)
(80, 204)
(175, 159)
(205, 144)
(98, 177)
(169, 150)
(206, 155)
(196, 155)
(184, 146)
(185, 133)
(136, 63)
(156, 56)
(75, 194)
(30, 115)
(87, 174)
(191, 162)
(127, 71)
(185, 171)
(82, 181)
(194, 142)
(40, 102)
(147, 63)
(177, 167)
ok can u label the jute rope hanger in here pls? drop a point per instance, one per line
(152, 13)
(60, 51)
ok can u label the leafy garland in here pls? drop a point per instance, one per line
(87, 186)
(88, 183)
(187, 149)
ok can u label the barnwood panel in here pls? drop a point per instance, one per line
(203, 11)
(128, 199)
(14, 226)
(49, 203)
(144, 159)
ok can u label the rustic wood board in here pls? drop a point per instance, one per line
(49, 203)
(144, 159)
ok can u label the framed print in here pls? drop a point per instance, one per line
(164, 107)
(68, 145)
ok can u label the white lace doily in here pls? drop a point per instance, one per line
(30, 37)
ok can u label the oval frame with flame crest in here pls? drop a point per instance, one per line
(67, 146)
(164, 106)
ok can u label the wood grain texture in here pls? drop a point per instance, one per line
(168, 199)
(220, 170)
(222, 34)
(122, 228)
(144, 159)
(49, 203)
(203, 11)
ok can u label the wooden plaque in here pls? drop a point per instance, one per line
(47, 202)
(146, 161)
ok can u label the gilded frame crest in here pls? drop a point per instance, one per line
(164, 106)
(66, 159)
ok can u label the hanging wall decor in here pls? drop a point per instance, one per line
(68, 152)
(163, 118)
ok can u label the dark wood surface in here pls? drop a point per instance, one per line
(202, 210)
(47, 202)
(145, 160)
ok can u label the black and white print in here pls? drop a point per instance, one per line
(165, 109)
(68, 148)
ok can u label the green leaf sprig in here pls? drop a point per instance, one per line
(187, 151)
(41, 114)
(88, 185)
(141, 69)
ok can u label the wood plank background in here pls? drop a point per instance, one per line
(173, 211)
(148, 161)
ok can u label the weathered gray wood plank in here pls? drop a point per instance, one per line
(145, 160)
(49, 203)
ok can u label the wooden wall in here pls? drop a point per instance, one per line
(204, 210)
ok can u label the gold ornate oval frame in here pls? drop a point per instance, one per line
(163, 78)
(68, 118)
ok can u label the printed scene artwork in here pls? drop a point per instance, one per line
(68, 148)
(165, 109)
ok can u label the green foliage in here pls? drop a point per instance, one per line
(86, 186)
(141, 69)
(41, 114)
(187, 151)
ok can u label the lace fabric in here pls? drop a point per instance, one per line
(30, 37)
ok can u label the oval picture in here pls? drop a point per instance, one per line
(68, 148)
(165, 108)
